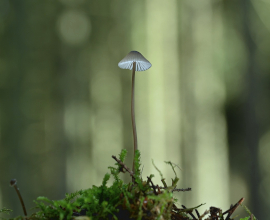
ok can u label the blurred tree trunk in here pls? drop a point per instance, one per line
(252, 97)
(244, 107)
(31, 131)
(204, 146)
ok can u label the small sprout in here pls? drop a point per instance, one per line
(134, 61)
(13, 183)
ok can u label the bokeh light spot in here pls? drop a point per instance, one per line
(72, 2)
(74, 27)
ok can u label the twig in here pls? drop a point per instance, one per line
(183, 190)
(124, 166)
(177, 190)
(233, 208)
(197, 212)
(189, 212)
(204, 214)
(157, 186)
(153, 186)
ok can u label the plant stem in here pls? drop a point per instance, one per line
(133, 114)
(13, 183)
(21, 200)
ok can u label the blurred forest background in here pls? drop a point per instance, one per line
(204, 104)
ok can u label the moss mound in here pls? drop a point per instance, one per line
(139, 199)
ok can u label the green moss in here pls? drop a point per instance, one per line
(103, 201)
(139, 199)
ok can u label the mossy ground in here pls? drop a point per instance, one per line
(139, 199)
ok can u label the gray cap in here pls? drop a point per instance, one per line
(142, 64)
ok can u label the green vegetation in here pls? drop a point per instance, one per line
(139, 199)
(114, 202)
(5, 211)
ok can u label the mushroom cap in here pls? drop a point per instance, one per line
(13, 182)
(142, 64)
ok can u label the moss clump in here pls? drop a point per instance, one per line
(139, 199)
(136, 200)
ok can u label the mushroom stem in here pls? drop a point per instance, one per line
(133, 114)
(13, 183)
(134, 61)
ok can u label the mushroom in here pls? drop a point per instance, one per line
(13, 183)
(134, 61)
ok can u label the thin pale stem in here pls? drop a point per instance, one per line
(21, 200)
(133, 114)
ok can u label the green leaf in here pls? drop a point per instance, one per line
(44, 199)
(122, 155)
(5, 211)
(161, 175)
(105, 179)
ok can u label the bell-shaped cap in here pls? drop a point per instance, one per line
(142, 64)
(13, 182)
